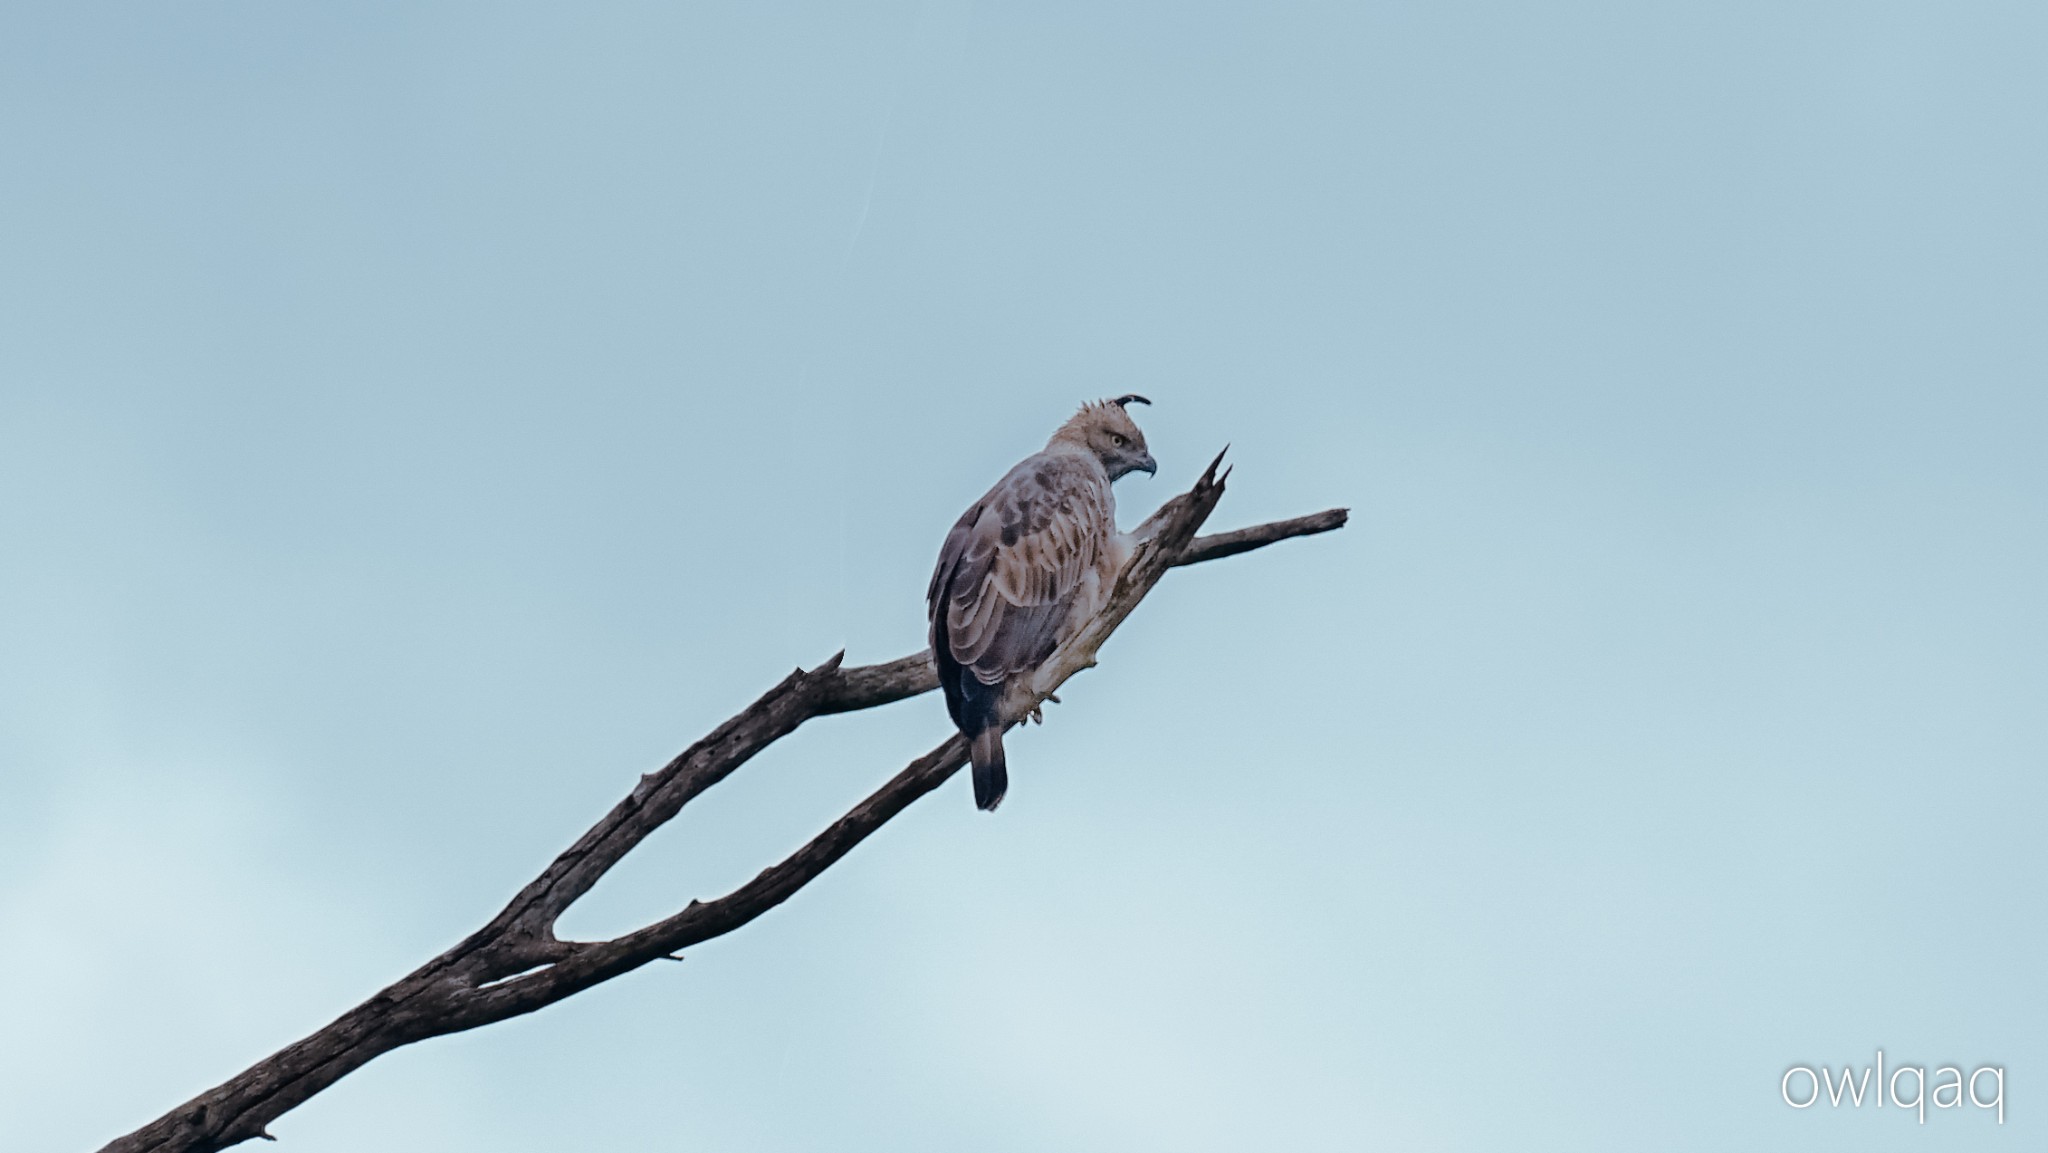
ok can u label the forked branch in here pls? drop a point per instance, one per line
(516, 964)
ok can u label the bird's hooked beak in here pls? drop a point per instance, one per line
(1149, 466)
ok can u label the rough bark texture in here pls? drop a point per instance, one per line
(515, 964)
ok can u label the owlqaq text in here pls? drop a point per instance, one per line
(1949, 1090)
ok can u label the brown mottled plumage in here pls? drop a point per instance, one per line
(1026, 565)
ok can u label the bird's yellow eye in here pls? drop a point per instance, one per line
(1117, 439)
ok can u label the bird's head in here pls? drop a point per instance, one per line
(1106, 430)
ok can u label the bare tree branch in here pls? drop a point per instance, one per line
(516, 964)
(1225, 544)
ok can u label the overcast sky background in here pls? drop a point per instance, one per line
(418, 420)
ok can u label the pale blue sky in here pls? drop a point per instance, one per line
(418, 420)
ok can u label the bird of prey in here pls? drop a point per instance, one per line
(1026, 566)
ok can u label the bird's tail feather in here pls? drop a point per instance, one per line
(991, 774)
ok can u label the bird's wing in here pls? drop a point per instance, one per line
(1011, 568)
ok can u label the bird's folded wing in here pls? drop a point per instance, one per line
(1013, 566)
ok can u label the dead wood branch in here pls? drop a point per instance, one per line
(515, 964)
